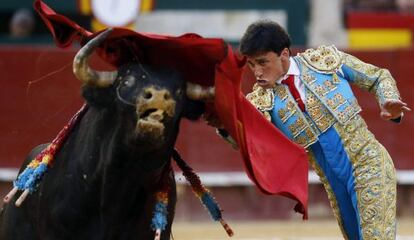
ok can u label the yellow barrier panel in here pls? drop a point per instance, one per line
(85, 7)
(147, 6)
(379, 38)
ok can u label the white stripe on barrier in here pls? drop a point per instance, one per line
(224, 179)
(307, 238)
(8, 174)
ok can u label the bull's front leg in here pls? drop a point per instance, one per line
(123, 206)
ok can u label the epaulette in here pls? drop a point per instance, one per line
(324, 59)
(262, 99)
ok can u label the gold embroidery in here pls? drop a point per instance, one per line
(329, 85)
(329, 61)
(290, 106)
(335, 102)
(339, 98)
(301, 140)
(282, 114)
(375, 180)
(315, 58)
(315, 113)
(324, 59)
(355, 105)
(310, 135)
(373, 171)
(331, 103)
(342, 117)
(308, 78)
(287, 112)
(321, 90)
(297, 127)
(306, 137)
(281, 91)
(349, 111)
(335, 79)
(374, 79)
(311, 124)
(325, 122)
(318, 112)
(310, 99)
(261, 98)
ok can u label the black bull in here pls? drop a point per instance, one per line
(104, 178)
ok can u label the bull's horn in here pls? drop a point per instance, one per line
(198, 92)
(86, 74)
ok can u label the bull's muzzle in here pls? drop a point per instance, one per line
(153, 108)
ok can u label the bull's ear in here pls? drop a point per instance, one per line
(194, 109)
(99, 97)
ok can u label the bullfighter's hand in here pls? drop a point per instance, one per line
(392, 109)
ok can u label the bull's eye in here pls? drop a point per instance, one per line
(129, 81)
(167, 96)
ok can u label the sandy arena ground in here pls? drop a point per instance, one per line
(274, 230)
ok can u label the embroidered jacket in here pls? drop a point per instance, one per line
(326, 74)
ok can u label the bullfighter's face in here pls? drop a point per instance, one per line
(268, 67)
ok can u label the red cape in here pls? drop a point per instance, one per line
(274, 163)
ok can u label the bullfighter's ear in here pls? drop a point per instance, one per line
(194, 109)
(99, 97)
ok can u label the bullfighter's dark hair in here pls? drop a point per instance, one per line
(264, 36)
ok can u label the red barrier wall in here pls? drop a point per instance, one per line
(39, 94)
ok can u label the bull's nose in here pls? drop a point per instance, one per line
(152, 94)
(155, 98)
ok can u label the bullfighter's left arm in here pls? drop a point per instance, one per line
(377, 81)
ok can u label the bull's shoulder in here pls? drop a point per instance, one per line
(324, 59)
(33, 153)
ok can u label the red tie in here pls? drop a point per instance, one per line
(290, 82)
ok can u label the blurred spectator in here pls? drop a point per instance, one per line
(405, 5)
(371, 4)
(22, 23)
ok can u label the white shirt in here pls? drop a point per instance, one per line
(294, 70)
